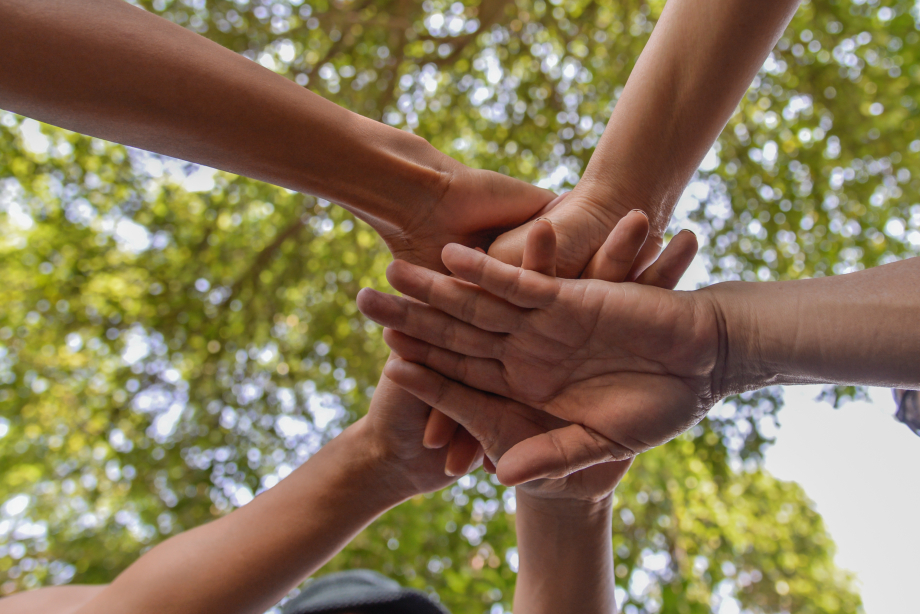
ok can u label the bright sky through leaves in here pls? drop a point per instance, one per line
(173, 339)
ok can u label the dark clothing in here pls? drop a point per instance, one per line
(908, 408)
(360, 591)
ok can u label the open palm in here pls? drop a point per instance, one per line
(628, 365)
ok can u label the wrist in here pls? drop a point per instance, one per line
(613, 197)
(588, 215)
(366, 466)
(563, 508)
(403, 177)
(566, 558)
(740, 363)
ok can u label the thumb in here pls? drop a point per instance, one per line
(556, 454)
(510, 246)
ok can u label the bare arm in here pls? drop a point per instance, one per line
(566, 556)
(50, 600)
(694, 70)
(111, 70)
(861, 328)
(246, 561)
(649, 363)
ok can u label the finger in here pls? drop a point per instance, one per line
(488, 466)
(439, 430)
(483, 373)
(427, 323)
(540, 256)
(557, 453)
(460, 299)
(464, 454)
(673, 262)
(527, 289)
(552, 204)
(616, 257)
(498, 423)
(646, 257)
(540, 250)
(509, 247)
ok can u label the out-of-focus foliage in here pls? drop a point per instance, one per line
(171, 342)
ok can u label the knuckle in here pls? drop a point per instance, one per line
(441, 392)
(607, 449)
(562, 451)
(468, 308)
(449, 335)
(514, 287)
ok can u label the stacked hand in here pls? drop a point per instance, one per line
(521, 341)
(472, 208)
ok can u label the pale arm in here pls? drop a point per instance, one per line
(246, 561)
(51, 599)
(566, 556)
(688, 80)
(111, 70)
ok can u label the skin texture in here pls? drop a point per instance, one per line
(694, 70)
(672, 109)
(495, 355)
(555, 345)
(564, 526)
(631, 366)
(54, 600)
(246, 561)
(98, 67)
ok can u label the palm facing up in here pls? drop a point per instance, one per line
(628, 366)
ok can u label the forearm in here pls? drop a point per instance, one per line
(859, 328)
(247, 561)
(694, 70)
(111, 70)
(566, 557)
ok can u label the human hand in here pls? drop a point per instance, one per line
(495, 419)
(473, 208)
(394, 427)
(583, 219)
(613, 262)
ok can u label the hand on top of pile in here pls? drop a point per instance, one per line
(583, 351)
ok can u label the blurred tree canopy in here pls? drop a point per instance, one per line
(173, 341)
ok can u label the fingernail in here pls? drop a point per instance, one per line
(544, 219)
(688, 230)
(642, 212)
(448, 473)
